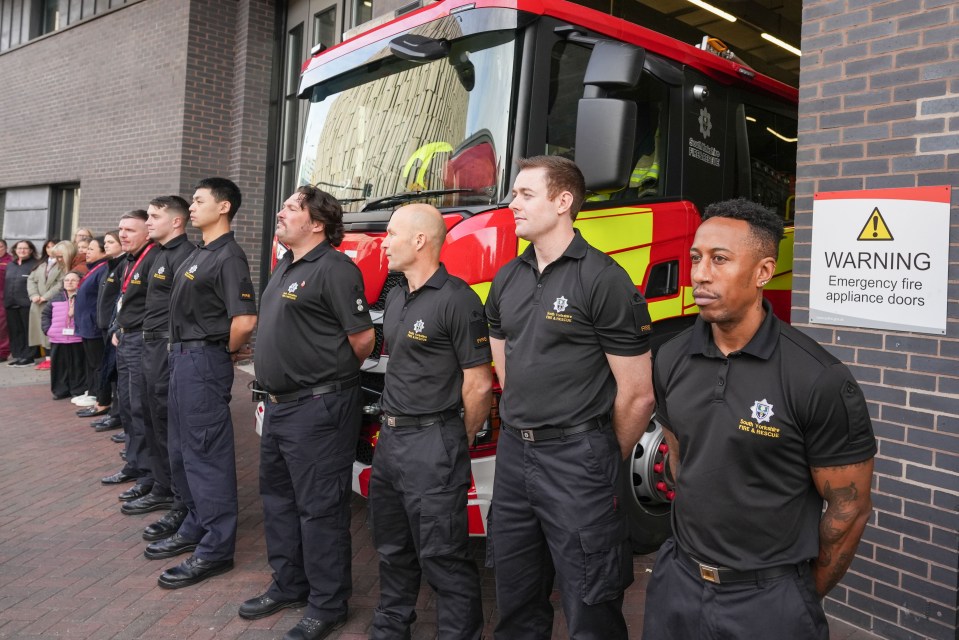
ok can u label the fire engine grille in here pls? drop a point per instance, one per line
(393, 278)
(378, 344)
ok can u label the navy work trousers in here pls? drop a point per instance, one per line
(130, 393)
(418, 489)
(306, 460)
(555, 513)
(156, 382)
(200, 439)
(680, 605)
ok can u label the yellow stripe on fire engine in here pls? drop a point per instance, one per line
(482, 289)
(611, 230)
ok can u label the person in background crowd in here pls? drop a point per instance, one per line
(66, 347)
(44, 283)
(80, 261)
(16, 303)
(82, 234)
(5, 259)
(97, 263)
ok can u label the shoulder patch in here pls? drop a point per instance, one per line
(358, 300)
(246, 290)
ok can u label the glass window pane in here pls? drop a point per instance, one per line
(324, 28)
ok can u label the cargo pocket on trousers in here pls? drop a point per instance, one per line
(607, 567)
(443, 528)
(204, 428)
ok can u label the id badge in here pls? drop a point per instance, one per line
(68, 331)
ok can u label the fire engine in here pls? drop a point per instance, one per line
(437, 104)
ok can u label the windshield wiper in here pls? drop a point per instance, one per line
(410, 196)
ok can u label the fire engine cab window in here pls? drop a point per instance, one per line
(389, 130)
(569, 61)
(772, 160)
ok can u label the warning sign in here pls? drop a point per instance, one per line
(875, 228)
(880, 259)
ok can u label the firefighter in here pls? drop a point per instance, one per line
(763, 425)
(167, 227)
(570, 340)
(439, 363)
(212, 316)
(315, 331)
(127, 337)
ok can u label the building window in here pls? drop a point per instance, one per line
(290, 129)
(324, 28)
(362, 11)
(64, 210)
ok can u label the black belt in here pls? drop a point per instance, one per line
(150, 336)
(721, 575)
(196, 344)
(418, 421)
(551, 433)
(130, 330)
(303, 394)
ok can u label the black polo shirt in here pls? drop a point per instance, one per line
(750, 426)
(307, 311)
(431, 335)
(135, 274)
(109, 291)
(558, 327)
(171, 254)
(211, 287)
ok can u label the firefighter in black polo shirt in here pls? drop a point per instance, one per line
(763, 425)
(167, 227)
(439, 361)
(212, 316)
(570, 340)
(315, 331)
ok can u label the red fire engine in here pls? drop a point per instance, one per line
(436, 105)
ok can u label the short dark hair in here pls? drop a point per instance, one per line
(325, 209)
(3, 242)
(562, 174)
(765, 226)
(223, 189)
(136, 214)
(174, 204)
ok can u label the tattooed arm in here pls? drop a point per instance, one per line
(848, 505)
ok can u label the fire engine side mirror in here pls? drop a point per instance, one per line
(606, 127)
(605, 136)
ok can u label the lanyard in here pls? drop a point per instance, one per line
(91, 272)
(126, 281)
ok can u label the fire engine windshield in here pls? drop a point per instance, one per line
(395, 131)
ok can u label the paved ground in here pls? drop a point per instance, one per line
(71, 565)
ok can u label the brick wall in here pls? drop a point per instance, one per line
(879, 107)
(143, 101)
(101, 104)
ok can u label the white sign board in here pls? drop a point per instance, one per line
(880, 259)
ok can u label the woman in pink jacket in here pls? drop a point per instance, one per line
(67, 368)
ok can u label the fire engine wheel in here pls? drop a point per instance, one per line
(648, 491)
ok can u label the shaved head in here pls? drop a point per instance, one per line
(425, 219)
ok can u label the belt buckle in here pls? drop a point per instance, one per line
(708, 573)
(272, 398)
(528, 435)
(391, 421)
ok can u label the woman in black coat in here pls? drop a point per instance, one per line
(16, 300)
